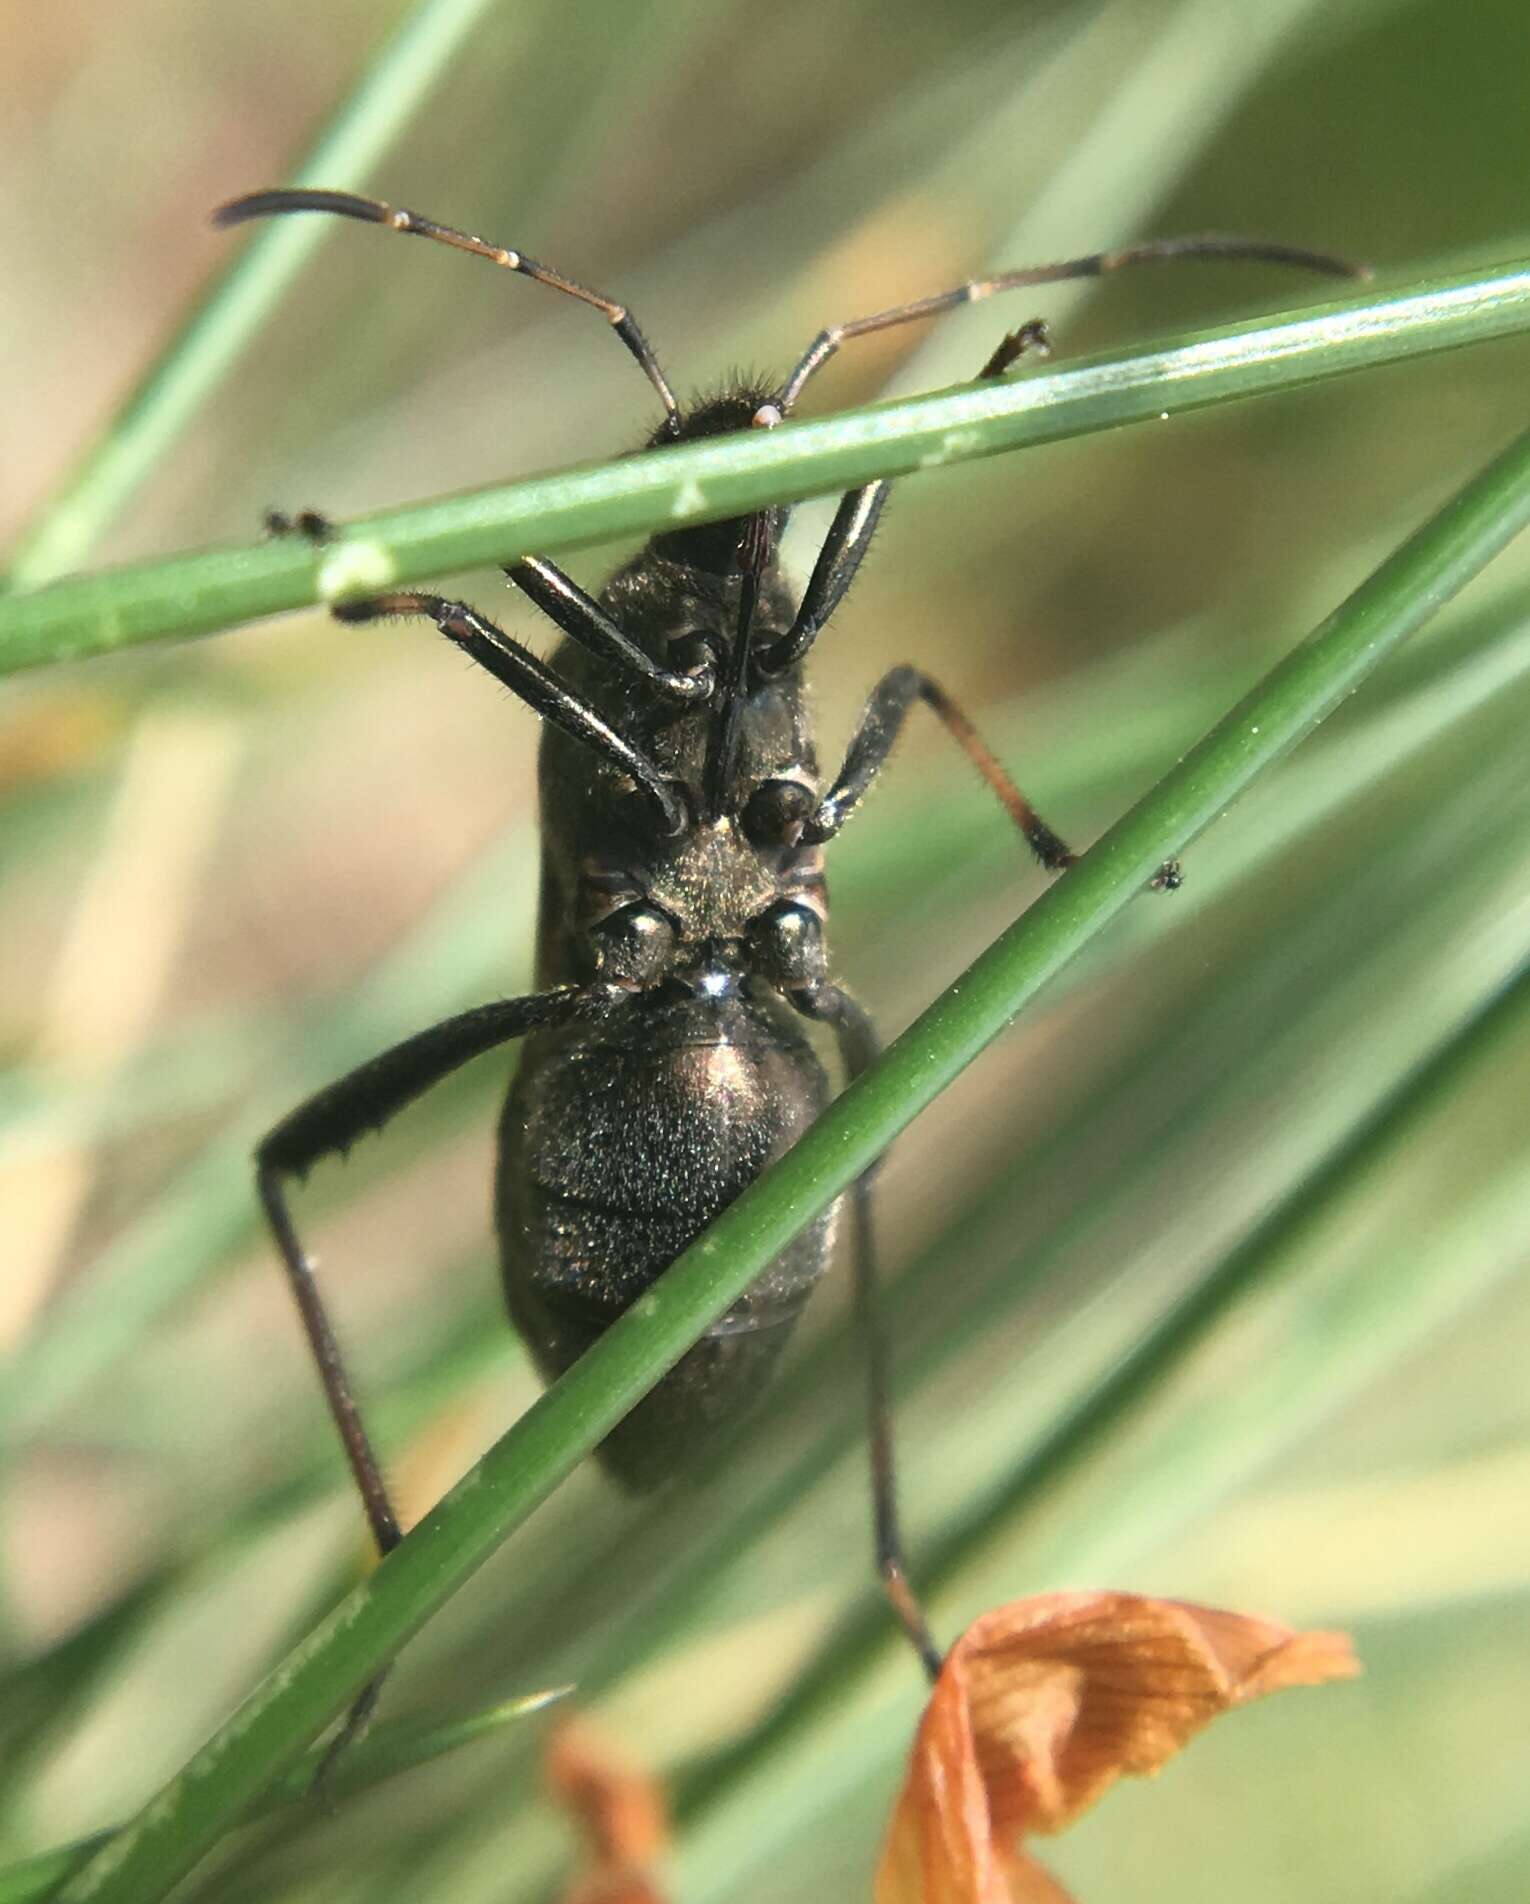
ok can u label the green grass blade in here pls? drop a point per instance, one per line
(198, 593)
(383, 1754)
(376, 1619)
(407, 67)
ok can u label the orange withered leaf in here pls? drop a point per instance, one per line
(1042, 1705)
(621, 1813)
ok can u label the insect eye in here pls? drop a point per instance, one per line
(776, 812)
(633, 946)
(788, 945)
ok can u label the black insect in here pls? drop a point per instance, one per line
(682, 948)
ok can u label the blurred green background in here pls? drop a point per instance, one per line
(234, 867)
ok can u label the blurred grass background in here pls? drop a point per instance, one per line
(233, 868)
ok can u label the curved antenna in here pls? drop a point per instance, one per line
(1211, 244)
(373, 211)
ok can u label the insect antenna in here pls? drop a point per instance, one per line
(1211, 244)
(373, 211)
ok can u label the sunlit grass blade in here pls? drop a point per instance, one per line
(195, 594)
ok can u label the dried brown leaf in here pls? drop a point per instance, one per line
(621, 1813)
(1043, 1704)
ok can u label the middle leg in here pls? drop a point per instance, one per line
(874, 739)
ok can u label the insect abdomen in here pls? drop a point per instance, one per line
(620, 1143)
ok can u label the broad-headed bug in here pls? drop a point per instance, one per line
(682, 941)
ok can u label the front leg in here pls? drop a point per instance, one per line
(535, 683)
(844, 549)
(523, 672)
(855, 523)
(583, 619)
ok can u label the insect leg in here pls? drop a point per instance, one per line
(558, 596)
(849, 537)
(582, 618)
(331, 1121)
(858, 1045)
(874, 739)
(855, 523)
(307, 523)
(536, 684)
